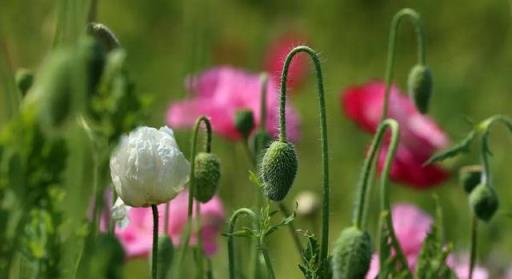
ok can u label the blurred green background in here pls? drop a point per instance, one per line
(469, 48)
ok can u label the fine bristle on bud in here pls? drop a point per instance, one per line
(103, 35)
(420, 87)
(484, 202)
(278, 169)
(206, 176)
(352, 254)
(244, 122)
(470, 177)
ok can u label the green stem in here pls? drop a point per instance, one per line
(166, 218)
(384, 194)
(473, 247)
(154, 259)
(323, 131)
(231, 240)
(416, 20)
(93, 11)
(200, 270)
(207, 147)
(268, 263)
(291, 227)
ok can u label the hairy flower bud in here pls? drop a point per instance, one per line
(24, 80)
(244, 122)
(470, 177)
(484, 202)
(103, 35)
(278, 169)
(148, 167)
(206, 176)
(260, 141)
(420, 87)
(352, 254)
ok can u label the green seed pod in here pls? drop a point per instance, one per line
(484, 202)
(93, 59)
(278, 169)
(420, 87)
(206, 176)
(352, 254)
(260, 141)
(165, 256)
(244, 122)
(24, 80)
(108, 258)
(470, 177)
(103, 35)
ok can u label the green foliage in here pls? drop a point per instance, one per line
(312, 265)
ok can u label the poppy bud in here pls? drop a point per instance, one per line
(352, 254)
(278, 169)
(165, 256)
(484, 201)
(420, 87)
(470, 177)
(24, 80)
(93, 58)
(103, 35)
(244, 122)
(260, 141)
(108, 258)
(206, 176)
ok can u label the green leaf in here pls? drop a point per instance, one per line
(461, 147)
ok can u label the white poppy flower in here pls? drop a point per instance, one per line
(120, 213)
(148, 167)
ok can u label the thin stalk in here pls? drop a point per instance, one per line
(200, 270)
(231, 240)
(263, 101)
(166, 218)
(473, 247)
(384, 194)
(207, 147)
(291, 228)
(420, 40)
(93, 11)
(266, 257)
(323, 131)
(154, 259)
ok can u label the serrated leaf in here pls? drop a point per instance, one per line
(461, 147)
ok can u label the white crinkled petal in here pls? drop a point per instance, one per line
(120, 213)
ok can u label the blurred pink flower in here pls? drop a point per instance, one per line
(411, 226)
(276, 55)
(136, 237)
(420, 136)
(222, 91)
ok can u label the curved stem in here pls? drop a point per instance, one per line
(154, 259)
(485, 127)
(472, 255)
(263, 101)
(191, 191)
(384, 195)
(231, 240)
(323, 131)
(416, 21)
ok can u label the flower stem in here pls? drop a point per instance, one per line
(291, 227)
(384, 194)
(231, 240)
(473, 247)
(154, 259)
(263, 101)
(323, 131)
(200, 250)
(166, 218)
(268, 263)
(420, 40)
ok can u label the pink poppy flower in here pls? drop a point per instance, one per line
(276, 55)
(411, 226)
(420, 136)
(222, 91)
(136, 236)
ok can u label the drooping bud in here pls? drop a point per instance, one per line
(165, 256)
(278, 169)
(103, 35)
(24, 80)
(260, 141)
(308, 204)
(93, 58)
(244, 122)
(206, 176)
(470, 177)
(352, 254)
(108, 258)
(420, 86)
(484, 202)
